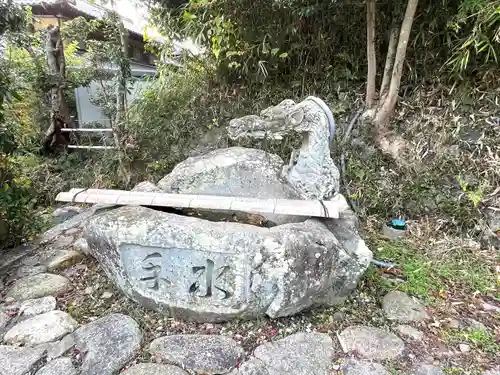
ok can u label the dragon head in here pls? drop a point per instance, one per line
(273, 123)
(312, 114)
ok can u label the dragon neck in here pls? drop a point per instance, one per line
(316, 142)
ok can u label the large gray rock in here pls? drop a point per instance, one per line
(153, 369)
(215, 271)
(202, 354)
(37, 286)
(360, 367)
(59, 366)
(75, 221)
(401, 307)
(370, 342)
(108, 343)
(234, 171)
(354, 255)
(19, 361)
(40, 329)
(298, 354)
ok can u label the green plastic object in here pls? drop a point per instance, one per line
(398, 224)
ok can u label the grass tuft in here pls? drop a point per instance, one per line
(481, 338)
(428, 277)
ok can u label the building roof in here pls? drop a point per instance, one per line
(76, 8)
(83, 8)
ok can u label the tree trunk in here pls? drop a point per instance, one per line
(121, 92)
(123, 71)
(389, 104)
(59, 112)
(370, 51)
(389, 61)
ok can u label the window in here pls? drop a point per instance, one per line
(137, 54)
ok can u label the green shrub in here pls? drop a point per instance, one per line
(18, 220)
(167, 116)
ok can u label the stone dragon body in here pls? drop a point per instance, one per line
(310, 171)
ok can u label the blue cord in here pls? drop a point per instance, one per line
(328, 114)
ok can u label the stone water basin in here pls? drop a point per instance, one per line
(213, 271)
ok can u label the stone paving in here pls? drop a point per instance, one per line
(38, 338)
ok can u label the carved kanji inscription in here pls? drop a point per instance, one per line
(152, 265)
(207, 280)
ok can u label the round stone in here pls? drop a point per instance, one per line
(426, 369)
(37, 286)
(403, 308)
(40, 329)
(286, 356)
(464, 348)
(37, 306)
(25, 271)
(63, 259)
(59, 348)
(371, 342)
(107, 295)
(59, 366)
(490, 307)
(205, 354)
(109, 343)
(19, 361)
(360, 367)
(410, 332)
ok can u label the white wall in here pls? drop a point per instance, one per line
(87, 112)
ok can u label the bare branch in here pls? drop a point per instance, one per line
(389, 104)
(389, 62)
(370, 51)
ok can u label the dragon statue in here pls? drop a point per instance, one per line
(310, 171)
